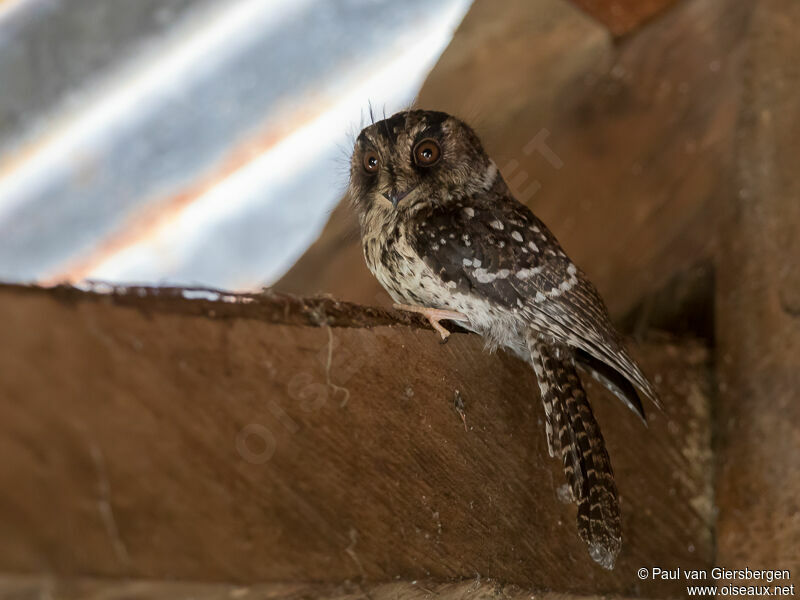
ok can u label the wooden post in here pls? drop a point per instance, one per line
(758, 307)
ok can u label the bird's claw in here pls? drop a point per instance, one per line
(434, 315)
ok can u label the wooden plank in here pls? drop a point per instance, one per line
(146, 435)
(758, 307)
(642, 134)
(24, 587)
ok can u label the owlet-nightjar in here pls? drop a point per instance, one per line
(443, 234)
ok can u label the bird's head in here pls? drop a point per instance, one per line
(417, 158)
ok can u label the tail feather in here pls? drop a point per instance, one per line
(612, 379)
(550, 399)
(573, 434)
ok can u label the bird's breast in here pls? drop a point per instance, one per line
(408, 280)
(398, 268)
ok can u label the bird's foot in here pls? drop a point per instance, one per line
(434, 315)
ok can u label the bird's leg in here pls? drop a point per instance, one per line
(434, 315)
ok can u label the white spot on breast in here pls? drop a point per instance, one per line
(534, 229)
(470, 212)
(467, 262)
(501, 244)
(517, 236)
(540, 297)
(572, 269)
(496, 225)
(533, 246)
(434, 247)
(442, 241)
(476, 262)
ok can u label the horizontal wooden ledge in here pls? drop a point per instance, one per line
(142, 439)
(19, 587)
(268, 306)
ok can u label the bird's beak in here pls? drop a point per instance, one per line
(395, 196)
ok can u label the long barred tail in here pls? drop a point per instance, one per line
(573, 434)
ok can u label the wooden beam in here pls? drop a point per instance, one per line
(19, 587)
(147, 435)
(758, 306)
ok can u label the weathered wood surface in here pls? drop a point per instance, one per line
(159, 437)
(641, 134)
(30, 588)
(758, 307)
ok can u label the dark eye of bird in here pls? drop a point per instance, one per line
(371, 161)
(427, 153)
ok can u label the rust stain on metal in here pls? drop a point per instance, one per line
(149, 220)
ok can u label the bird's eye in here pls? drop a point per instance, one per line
(371, 161)
(427, 153)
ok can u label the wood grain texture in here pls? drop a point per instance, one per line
(147, 441)
(642, 135)
(33, 588)
(758, 307)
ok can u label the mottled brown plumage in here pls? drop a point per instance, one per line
(441, 230)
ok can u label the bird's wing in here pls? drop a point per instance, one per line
(503, 253)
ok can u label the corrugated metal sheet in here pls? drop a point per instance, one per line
(191, 142)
